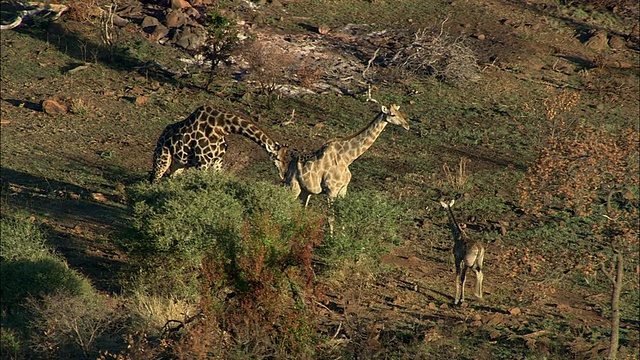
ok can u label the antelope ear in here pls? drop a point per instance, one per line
(444, 204)
(385, 110)
(453, 201)
(395, 107)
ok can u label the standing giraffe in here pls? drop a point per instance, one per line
(326, 170)
(467, 253)
(199, 141)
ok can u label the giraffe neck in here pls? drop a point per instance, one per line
(355, 145)
(252, 131)
(455, 227)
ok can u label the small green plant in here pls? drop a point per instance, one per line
(11, 344)
(108, 155)
(22, 239)
(367, 224)
(222, 39)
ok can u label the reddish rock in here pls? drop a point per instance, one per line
(179, 4)
(141, 100)
(52, 107)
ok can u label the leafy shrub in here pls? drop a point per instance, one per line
(255, 293)
(21, 240)
(184, 217)
(367, 223)
(254, 276)
(24, 279)
(179, 220)
(579, 168)
(29, 268)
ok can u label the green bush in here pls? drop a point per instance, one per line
(29, 268)
(242, 250)
(183, 217)
(23, 279)
(21, 240)
(178, 221)
(366, 224)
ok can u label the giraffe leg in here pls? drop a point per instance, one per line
(304, 197)
(456, 300)
(161, 163)
(463, 279)
(479, 278)
(479, 274)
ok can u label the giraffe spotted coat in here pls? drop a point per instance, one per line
(199, 141)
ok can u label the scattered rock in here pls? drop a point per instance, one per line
(141, 100)
(149, 24)
(476, 323)
(444, 306)
(598, 41)
(477, 317)
(494, 334)
(175, 19)
(617, 43)
(179, 4)
(53, 107)
(190, 38)
(323, 29)
(192, 13)
(496, 319)
(119, 21)
(481, 36)
(432, 306)
(99, 197)
(515, 311)
(159, 32)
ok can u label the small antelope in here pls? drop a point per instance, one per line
(467, 253)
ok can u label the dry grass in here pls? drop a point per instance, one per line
(457, 178)
(150, 313)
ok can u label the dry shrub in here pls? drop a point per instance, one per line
(307, 75)
(270, 66)
(150, 313)
(457, 178)
(67, 324)
(578, 168)
(85, 11)
(437, 54)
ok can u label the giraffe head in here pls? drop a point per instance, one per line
(281, 158)
(393, 116)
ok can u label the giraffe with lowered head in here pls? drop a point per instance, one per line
(199, 141)
(467, 253)
(326, 170)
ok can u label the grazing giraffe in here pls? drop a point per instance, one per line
(467, 253)
(199, 141)
(326, 170)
